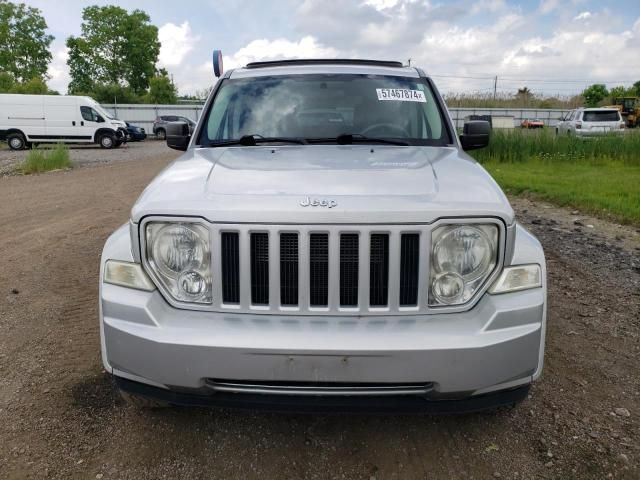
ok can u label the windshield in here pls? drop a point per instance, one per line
(323, 107)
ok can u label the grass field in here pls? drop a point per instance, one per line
(600, 176)
(45, 159)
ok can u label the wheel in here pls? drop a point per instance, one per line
(161, 134)
(107, 140)
(16, 141)
(142, 402)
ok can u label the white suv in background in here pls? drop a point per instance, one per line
(589, 122)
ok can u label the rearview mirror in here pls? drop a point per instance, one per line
(475, 134)
(178, 136)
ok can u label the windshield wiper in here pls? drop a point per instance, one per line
(349, 138)
(253, 140)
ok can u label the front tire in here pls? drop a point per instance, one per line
(161, 134)
(16, 141)
(142, 402)
(107, 141)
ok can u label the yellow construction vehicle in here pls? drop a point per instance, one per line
(629, 109)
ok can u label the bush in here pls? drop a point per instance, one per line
(46, 159)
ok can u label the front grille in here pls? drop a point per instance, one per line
(289, 269)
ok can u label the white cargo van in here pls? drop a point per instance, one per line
(29, 119)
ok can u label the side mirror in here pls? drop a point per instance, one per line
(178, 135)
(475, 134)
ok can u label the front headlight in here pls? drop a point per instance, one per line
(179, 256)
(462, 258)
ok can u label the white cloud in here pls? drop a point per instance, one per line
(381, 4)
(306, 47)
(176, 41)
(583, 16)
(548, 6)
(58, 70)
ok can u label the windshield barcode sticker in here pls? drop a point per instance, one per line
(401, 95)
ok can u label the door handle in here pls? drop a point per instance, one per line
(73, 122)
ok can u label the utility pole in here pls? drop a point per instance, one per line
(495, 86)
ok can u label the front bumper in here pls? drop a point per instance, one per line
(495, 345)
(498, 345)
(314, 404)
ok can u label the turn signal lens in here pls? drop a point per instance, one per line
(519, 277)
(127, 274)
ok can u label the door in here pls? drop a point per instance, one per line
(90, 121)
(62, 119)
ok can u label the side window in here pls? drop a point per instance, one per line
(89, 114)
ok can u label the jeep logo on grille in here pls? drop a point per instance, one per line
(318, 202)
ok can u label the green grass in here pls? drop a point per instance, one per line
(46, 159)
(600, 176)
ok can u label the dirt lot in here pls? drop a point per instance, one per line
(60, 416)
(87, 155)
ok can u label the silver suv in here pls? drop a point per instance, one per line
(591, 122)
(324, 242)
(161, 122)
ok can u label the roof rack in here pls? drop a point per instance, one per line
(324, 61)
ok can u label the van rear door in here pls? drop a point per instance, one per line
(25, 112)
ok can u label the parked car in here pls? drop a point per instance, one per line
(590, 122)
(135, 133)
(532, 123)
(28, 119)
(300, 259)
(160, 125)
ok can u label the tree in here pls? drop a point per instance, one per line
(35, 86)
(636, 88)
(620, 91)
(7, 82)
(524, 96)
(594, 94)
(112, 93)
(24, 44)
(161, 90)
(115, 47)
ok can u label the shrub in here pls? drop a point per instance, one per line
(46, 159)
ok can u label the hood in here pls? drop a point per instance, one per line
(324, 184)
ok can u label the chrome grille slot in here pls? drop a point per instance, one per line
(260, 268)
(230, 265)
(349, 254)
(289, 269)
(409, 262)
(379, 270)
(319, 269)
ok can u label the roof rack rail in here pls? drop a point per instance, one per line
(324, 61)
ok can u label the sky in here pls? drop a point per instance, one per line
(550, 46)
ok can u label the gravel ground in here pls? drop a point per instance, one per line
(86, 155)
(61, 418)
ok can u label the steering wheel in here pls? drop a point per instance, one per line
(391, 126)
